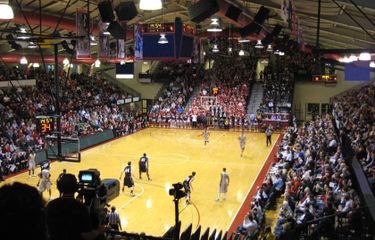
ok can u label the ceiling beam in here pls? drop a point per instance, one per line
(341, 19)
(362, 3)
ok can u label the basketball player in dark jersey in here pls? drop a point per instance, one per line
(188, 187)
(128, 179)
(143, 166)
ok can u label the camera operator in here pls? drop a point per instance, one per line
(67, 218)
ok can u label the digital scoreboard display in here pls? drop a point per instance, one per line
(158, 28)
(45, 124)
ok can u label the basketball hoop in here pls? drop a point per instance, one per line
(70, 148)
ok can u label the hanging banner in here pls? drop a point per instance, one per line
(82, 27)
(103, 45)
(121, 49)
(284, 10)
(138, 48)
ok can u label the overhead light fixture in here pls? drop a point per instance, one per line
(97, 63)
(106, 33)
(243, 40)
(35, 65)
(71, 65)
(372, 64)
(22, 29)
(31, 45)
(346, 59)
(122, 62)
(150, 5)
(6, 10)
(264, 61)
(259, 44)
(353, 58)
(214, 26)
(204, 53)
(23, 60)
(277, 52)
(162, 39)
(281, 53)
(66, 61)
(365, 56)
(23, 36)
(215, 48)
(229, 49)
(93, 41)
(269, 48)
(241, 53)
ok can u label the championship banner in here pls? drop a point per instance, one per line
(103, 44)
(82, 26)
(138, 48)
(284, 10)
(121, 49)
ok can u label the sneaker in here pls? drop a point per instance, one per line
(187, 202)
(150, 179)
(132, 194)
(122, 189)
(140, 178)
(217, 199)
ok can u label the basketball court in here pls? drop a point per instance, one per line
(173, 155)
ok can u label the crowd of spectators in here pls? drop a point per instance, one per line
(88, 105)
(278, 83)
(354, 112)
(173, 98)
(311, 175)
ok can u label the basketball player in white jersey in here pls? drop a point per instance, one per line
(128, 179)
(242, 139)
(205, 135)
(31, 163)
(188, 187)
(44, 182)
(143, 166)
(223, 186)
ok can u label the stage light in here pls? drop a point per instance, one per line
(150, 5)
(214, 26)
(66, 61)
(162, 39)
(241, 53)
(6, 10)
(269, 48)
(97, 63)
(215, 48)
(365, 56)
(259, 44)
(23, 60)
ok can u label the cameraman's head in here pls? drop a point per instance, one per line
(67, 185)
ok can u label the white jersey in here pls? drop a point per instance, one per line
(242, 141)
(224, 181)
(45, 182)
(31, 162)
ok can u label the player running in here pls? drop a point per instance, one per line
(242, 139)
(188, 187)
(143, 166)
(128, 179)
(44, 182)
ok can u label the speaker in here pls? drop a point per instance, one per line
(249, 29)
(262, 15)
(202, 10)
(116, 30)
(106, 11)
(126, 11)
(273, 35)
(276, 30)
(233, 12)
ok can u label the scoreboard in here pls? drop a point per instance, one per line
(45, 124)
(180, 38)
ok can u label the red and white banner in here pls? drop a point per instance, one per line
(82, 26)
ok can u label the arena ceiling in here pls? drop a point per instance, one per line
(338, 30)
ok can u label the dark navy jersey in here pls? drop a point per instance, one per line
(189, 179)
(143, 161)
(128, 171)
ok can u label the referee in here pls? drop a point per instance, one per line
(114, 219)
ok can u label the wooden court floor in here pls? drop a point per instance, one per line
(173, 155)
